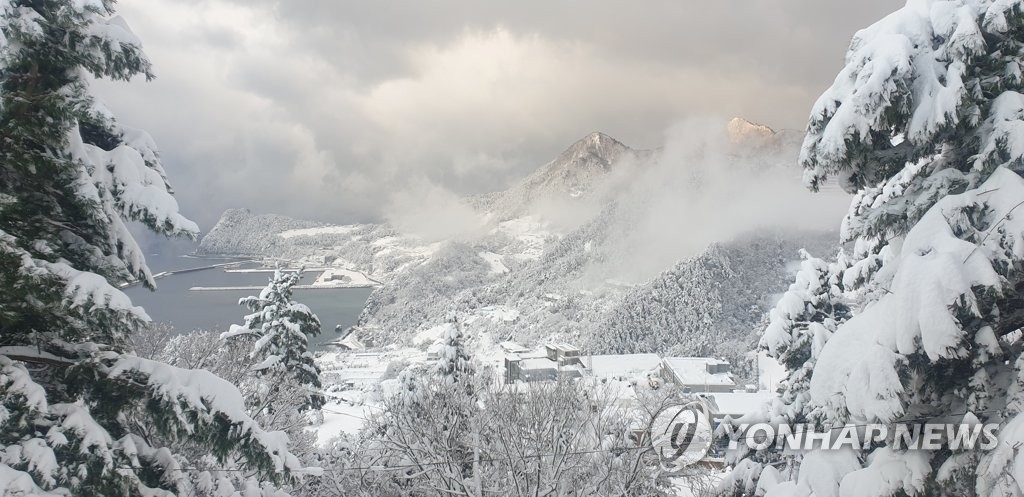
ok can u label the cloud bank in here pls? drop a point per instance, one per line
(328, 110)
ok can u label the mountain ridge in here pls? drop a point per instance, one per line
(577, 172)
(523, 278)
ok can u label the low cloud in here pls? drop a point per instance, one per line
(699, 188)
(433, 213)
(324, 109)
(703, 188)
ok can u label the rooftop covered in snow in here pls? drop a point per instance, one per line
(736, 404)
(698, 373)
(616, 365)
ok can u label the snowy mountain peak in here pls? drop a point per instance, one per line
(743, 131)
(576, 172)
(580, 167)
(598, 139)
(594, 149)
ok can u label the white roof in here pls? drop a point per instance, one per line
(535, 363)
(513, 347)
(564, 347)
(621, 364)
(527, 354)
(738, 404)
(693, 371)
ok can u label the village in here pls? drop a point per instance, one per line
(704, 378)
(358, 376)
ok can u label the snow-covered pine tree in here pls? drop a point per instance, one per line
(925, 125)
(457, 391)
(799, 326)
(279, 328)
(71, 179)
(454, 365)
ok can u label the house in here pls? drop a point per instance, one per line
(434, 351)
(553, 362)
(563, 353)
(513, 348)
(736, 404)
(538, 368)
(698, 374)
(733, 405)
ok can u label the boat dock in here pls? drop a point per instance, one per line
(162, 274)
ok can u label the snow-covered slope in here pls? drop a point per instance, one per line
(588, 167)
(518, 228)
(374, 249)
(242, 232)
(531, 276)
(754, 138)
(709, 305)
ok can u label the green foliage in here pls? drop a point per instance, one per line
(72, 179)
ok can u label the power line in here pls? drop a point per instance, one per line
(385, 468)
(342, 413)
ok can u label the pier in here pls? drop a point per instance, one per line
(162, 274)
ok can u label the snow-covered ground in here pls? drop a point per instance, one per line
(494, 313)
(531, 232)
(346, 414)
(431, 335)
(354, 382)
(769, 372)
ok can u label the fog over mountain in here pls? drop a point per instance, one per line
(687, 242)
(327, 110)
(710, 181)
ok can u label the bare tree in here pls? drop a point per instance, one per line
(566, 438)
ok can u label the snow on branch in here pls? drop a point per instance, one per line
(944, 260)
(199, 391)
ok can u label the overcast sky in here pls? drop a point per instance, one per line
(324, 109)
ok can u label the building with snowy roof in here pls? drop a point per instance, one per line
(698, 374)
(554, 361)
(513, 348)
(736, 404)
(622, 366)
(562, 353)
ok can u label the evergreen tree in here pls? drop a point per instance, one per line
(279, 328)
(799, 326)
(71, 180)
(454, 365)
(925, 125)
(803, 320)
